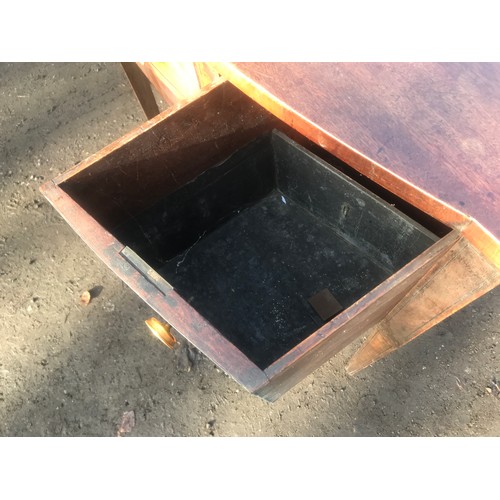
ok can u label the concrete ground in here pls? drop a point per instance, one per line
(69, 370)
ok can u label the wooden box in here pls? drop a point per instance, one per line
(258, 246)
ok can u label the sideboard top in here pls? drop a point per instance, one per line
(432, 126)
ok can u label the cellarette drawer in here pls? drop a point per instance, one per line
(260, 248)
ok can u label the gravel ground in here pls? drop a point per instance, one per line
(68, 370)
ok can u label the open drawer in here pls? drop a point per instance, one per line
(260, 248)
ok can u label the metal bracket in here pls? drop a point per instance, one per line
(147, 271)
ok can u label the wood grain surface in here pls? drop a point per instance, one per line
(429, 131)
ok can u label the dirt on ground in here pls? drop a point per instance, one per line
(69, 369)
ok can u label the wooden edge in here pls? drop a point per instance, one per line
(186, 320)
(336, 325)
(133, 134)
(477, 235)
(484, 242)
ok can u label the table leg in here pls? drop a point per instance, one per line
(461, 276)
(142, 88)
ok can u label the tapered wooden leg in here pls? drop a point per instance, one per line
(174, 81)
(206, 75)
(142, 88)
(461, 276)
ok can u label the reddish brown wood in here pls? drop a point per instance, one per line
(142, 88)
(349, 325)
(186, 320)
(461, 276)
(173, 148)
(427, 132)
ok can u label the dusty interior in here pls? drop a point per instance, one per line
(249, 240)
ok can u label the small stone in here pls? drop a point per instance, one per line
(193, 355)
(183, 362)
(44, 362)
(488, 390)
(127, 423)
(85, 298)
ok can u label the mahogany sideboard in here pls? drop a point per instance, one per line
(277, 212)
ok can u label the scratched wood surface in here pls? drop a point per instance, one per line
(435, 126)
(165, 153)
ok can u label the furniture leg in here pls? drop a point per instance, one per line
(142, 88)
(461, 276)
